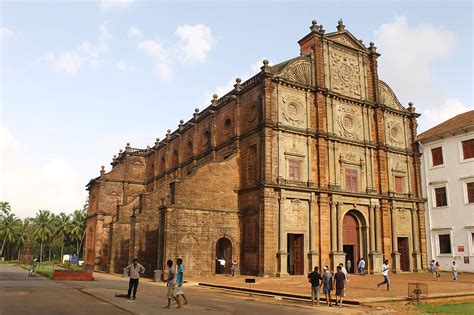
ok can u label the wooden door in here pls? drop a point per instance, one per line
(404, 253)
(298, 254)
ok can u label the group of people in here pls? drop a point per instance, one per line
(175, 281)
(435, 269)
(360, 266)
(327, 282)
(220, 266)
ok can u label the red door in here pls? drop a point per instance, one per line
(349, 228)
(298, 254)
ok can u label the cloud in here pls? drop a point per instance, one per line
(160, 55)
(6, 33)
(135, 32)
(409, 54)
(195, 42)
(106, 5)
(222, 90)
(436, 114)
(87, 53)
(191, 45)
(32, 184)
(124, 67)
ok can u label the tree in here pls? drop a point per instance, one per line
(5, 209)
(8, 228)
(42, 229)
(78, 227)
(62, 224)
(23, 235)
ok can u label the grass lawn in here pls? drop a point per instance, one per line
(463, 308)
(42, 269)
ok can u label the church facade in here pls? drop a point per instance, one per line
(310, 162)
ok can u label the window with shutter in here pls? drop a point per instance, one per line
(444, 244)
(468, 149)
(352, 181)
(294, 170)
(441, 198)
(399, 184)
(437, 156)
(470, 192)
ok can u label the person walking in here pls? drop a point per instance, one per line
(454, 269)
(327, 285)
(349, 265)
(180, 281)
(385, 270)
(134, 270)
(234, 267)
(314, 278)
(171, 284)
(437, 271)
(340, 284)
(432, 268)
(344, 271)
(362, 267)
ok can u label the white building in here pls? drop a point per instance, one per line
(447, 169)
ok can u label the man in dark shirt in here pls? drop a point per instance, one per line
(314, 279)
(340, 282)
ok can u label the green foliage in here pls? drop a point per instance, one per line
(9, 225)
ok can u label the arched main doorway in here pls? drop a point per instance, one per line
(354, 238)
(223, 251)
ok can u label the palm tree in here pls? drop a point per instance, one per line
(78, 227)
(8, 228)
(23, 235)
(62, 224)
(42, 229)
(5, 208)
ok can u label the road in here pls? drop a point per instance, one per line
(20, 294)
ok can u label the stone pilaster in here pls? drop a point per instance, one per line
(416, 249)
(395, 253)
(282, 254)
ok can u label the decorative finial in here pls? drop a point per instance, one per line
(314, 26)
(181, 121)
(120, 151)
(128, 144)
(148, 147)
(168, 131)
(340, 25)
(157, 140)
(214, 99)
(196, 110)
(265, 62)
(196, 113)
(102, 170)
(321, 29)
(411, 108)
(237, 86)
(102, 167)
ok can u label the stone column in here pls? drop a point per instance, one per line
(340, 248)
(414, 231)
(313, 255)
(372, 228)
(395, 253)
(333, 227)
(282, 241)
(378, 230)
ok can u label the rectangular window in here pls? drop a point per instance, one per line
(352, 181)
(441, 198)
(468, 149)
(294, 170)
(399, 184)
(470, 192)
(437, 156)
(444, 244)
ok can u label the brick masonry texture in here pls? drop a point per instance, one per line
(220, 184)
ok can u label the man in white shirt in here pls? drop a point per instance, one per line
(361, 267)
(171, 283)
(134, 270)
(454, 269)
(385, 270)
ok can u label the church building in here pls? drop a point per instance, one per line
(311, 162)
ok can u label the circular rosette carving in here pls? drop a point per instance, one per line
(292, 111)
(345, 72)
(394, 133)
(348, 122)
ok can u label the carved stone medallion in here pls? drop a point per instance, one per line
(292, 110)
(345, 74)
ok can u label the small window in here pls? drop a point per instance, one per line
(294, 170)
(468, 149)
(352, 181)
(470, 192)
(441, 198)
(399, 184)
(437, 156)
(444, 244)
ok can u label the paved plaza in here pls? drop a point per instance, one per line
(361, 289)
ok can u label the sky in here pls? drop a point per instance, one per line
(78, 80)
